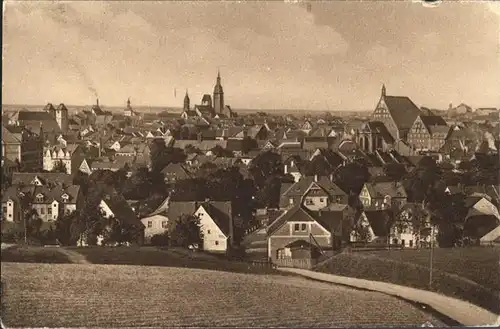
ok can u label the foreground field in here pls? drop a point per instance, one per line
(480, 265)
(468, 274)
(144, 256)
(71, 295)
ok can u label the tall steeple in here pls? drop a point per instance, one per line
(218, 95)
(383, 90)
(187, 102)
(128, 103)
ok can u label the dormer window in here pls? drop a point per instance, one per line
(65, 198)
(39, 197)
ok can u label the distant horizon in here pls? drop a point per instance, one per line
(179, 108)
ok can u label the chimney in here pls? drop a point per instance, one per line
(97, 101)
(315, 177)
(331, 177)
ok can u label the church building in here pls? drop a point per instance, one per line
(213, 108)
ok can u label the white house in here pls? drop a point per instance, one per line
(216, 223)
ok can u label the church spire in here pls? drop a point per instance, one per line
(128, 102)
(383, 90)
(187, 101)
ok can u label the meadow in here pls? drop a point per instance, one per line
(76, 295)
(469, 274)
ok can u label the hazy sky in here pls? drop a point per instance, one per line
(271, 55)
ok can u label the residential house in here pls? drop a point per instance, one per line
(409, 230)
(482, 217)
(383, 195)
(291, 166)
(216, 223)
(20, 144)
(41, 179)
(50, 202)
(318, 229)
(174, 172)
(314, 193)
(428, 132)
(113, 205)
(156, 222)
(372, 226)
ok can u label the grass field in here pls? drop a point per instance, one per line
(468, 274)
(28, 254)
(74, 295)
(481, 265)
(150, 256)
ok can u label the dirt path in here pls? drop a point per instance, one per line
(73, 256)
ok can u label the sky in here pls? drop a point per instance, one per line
(334, 55)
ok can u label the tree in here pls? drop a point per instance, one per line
(184, 231)
(161, 155)
(206, 169)
(66, 232)
(119, 232)
(160, 240)
(221, 152)
(395, 171)
(265, 165)
(248, 144)
(60, 167)
(351, 177)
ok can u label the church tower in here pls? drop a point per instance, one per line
(383, 90)
(218, 96)
(62, 118)
(187, 102)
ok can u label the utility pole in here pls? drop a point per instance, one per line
(431, 256)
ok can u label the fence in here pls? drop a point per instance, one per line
(304, 263)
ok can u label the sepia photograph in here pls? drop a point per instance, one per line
(266, 164)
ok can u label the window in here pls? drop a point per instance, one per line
(309, 201)
(291, 201)
(208, 231)
(297, 227)
(216, 243)
(42, 211)
(411, 243)
(150, 224)
(303, 227)
(403, 243)
(4, 210)
(322, 200)
(395, 241)
(164, 224)
(49, 211)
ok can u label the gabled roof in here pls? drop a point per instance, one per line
(380, 221)
(53, 177)
(221, 214)
(120, 208)
(178, 208)
(10, 138)
(403, 110)
(297, 213)
(380, 128)
(176, 169)
(301, 187)
(381, 189)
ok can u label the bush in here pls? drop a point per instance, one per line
(160, 240)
